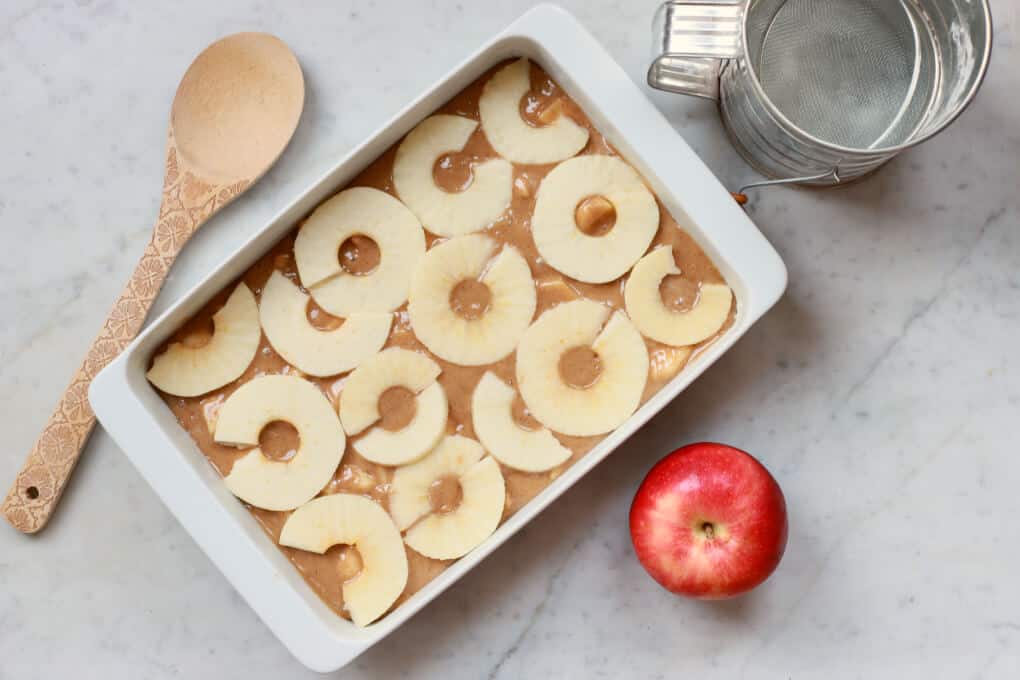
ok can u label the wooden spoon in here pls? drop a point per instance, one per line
(235, 111)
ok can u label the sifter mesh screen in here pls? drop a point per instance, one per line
(849, 72)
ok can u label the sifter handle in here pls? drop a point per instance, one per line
(693, 39)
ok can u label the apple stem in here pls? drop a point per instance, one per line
(709, 530)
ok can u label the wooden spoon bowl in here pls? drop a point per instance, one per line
(235, 111)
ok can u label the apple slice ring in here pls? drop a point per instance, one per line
(616, 392)
(280, 485)
(453, 534)
(360, 211)
(510, 135)
(509, 309)
(512, 445)
(593, 259)
(655, 320)
(413, 440)
(444, 213)
(359, 406)
(190, 371)
(347, 519)
(282, 311)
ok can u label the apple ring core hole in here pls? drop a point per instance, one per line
(347, 559)
(522, 416)
(452, 172)
(678, 294)
(397, 406)
(320, 319)
(580, 367)
(539, 109)
(197, 332)
(595, 216)
(279, 441)
(359, 255)
(470, 299)
(445, 494)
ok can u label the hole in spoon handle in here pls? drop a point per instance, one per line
(41, 481)
(38, 486)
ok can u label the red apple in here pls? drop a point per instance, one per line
(709, 521)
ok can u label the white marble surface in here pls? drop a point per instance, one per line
(883, 391)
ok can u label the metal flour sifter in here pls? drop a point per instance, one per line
(821, 92)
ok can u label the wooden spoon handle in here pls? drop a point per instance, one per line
(187, 203)
(39, 484)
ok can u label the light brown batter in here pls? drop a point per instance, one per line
(320, 318)
(397, 405)
(678, 292)
(279, 440)
(470, 299)
(580, 367)
(445, 494)
(595, 216)
(359, 255)
(326, 573)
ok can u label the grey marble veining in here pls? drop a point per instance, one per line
(883, 391)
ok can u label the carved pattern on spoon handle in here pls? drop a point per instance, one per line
(187, 203)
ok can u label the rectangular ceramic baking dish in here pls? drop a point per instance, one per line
(141, 424)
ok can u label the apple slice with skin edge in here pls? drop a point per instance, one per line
(512, 445)
(359, 211)
(655, 320)
(409, 489)
(593, 259)
(392, 367)
(441, 212)
(282, 312)
(510, 308)
(614, 396)
(280, 485)
(191, 371)
(354, 520)
(510, 135)
(448, 535)
(413, 440)
(359, 406)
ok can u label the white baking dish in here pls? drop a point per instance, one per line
(141, 424)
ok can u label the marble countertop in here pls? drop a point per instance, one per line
(883, 391)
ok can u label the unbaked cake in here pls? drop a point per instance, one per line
(437, 342)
